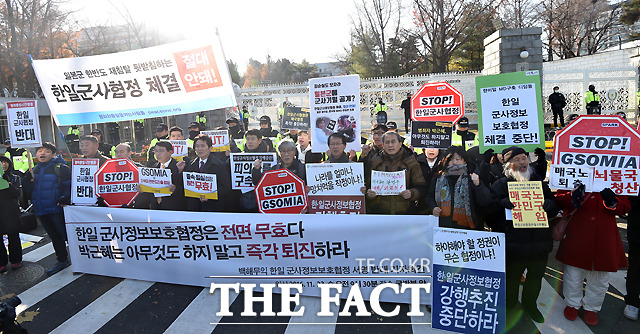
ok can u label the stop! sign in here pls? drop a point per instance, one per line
(437, 101)
(117, 182)
(281, 191)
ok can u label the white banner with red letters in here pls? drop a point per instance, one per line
(170, 79)
(196, 248)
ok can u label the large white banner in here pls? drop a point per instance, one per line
(335, 107)
(171, 79)
(196, 248)
(24, 128)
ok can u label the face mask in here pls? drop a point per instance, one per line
(555, 91)
(193, 134)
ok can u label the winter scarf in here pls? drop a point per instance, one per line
(461, 199)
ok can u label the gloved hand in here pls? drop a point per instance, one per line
(64, 200)
(577, 194)
(506, 203)
(100, 202)
(542, 156)
(609, 197)
(487, 155)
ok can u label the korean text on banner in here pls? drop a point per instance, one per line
(510, 111)
(437, 101)
(608, 146)
(388, 183)
(569, 177)
(241, 165)
(155, 180)
(469, 287)
(335, 179)
(335, 107)
(295, 118)
(242, 247)
(200, 185)
(219, 139)
(431, 134)
(24, 128)
(83, 190)
(528, 200)
(171, 79)
(180, 149)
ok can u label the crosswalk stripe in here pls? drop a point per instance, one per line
(417, 323)
(299, 325)
(553, 309)
(45, 288)
(619, 281)
(191, 319)
(38, 253)
(105, 307)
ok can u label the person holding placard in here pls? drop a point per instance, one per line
(337, 144)
(591, 248)
(208, 164)
(288, 160)
(176, 201)
(375, 144)
(89, 148)
(526, 248)
(455, 194)
(254, 142)
(394, 157)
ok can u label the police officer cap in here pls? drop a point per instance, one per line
(265, 119)
(7, 141)
(392, 125)
(463, 122)
(232, 120)
(96, 131)
(194, 125)
(162, 127)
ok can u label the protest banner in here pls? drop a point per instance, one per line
(241, 165)
(170, 79)
(180, 149)
(117, 182)
(510, 111)
(437, 101)
(200, 185)
(568, 177)
(219, 138)
(606, 144)
(295, 118)
(388, 183)
(335, 107)
(469, 285)
(431, 134)
(24, 127)
(232, 248)
(336, 204)
(281, 191)
(83, 172)
(528, 199)
(335, 179)
(155, 180)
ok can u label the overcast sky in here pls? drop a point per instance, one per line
(296, 30)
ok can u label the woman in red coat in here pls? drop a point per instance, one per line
(591, 248)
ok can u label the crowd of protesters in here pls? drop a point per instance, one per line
(460, 186)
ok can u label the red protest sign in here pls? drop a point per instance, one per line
(281, 191)
(117, 182)
(606, 144)
(437, 101)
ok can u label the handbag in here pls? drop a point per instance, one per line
(559, 224)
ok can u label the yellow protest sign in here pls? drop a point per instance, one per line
(528, 199)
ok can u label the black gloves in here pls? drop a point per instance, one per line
(542, 156)
(577, 194)
(609, 197)
(487, 155)
(64, 200)
(506, 203)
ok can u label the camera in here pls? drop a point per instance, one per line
(8, 324)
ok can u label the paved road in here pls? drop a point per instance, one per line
(68, 303)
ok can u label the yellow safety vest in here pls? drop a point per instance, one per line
(380, 107)
(20, 162)
(591, 97)
(456, 140)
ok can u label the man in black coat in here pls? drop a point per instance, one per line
(406, 105)
(526, 248)
(176, 201)
(557, 102)
(208, 164)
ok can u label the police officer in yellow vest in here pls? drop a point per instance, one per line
(592, 99)
(162, 132)
(202, 119)
(73, 139)
(245, 117)
(19, 157)
(462, 136)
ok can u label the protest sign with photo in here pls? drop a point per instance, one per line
(241, 165)
(335, 107)
(295, 118)
(469, 281)
(336, 188)
(608, 146)
(388, 183)
(155, 180)
(200, 185)
(528, 200)
(83, 172)
(219, 138)
(510, 111)
(24, 128)
(170, 79)
(431, 134)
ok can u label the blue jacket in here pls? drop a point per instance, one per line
(47, 189)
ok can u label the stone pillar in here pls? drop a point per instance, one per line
(502, 51)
